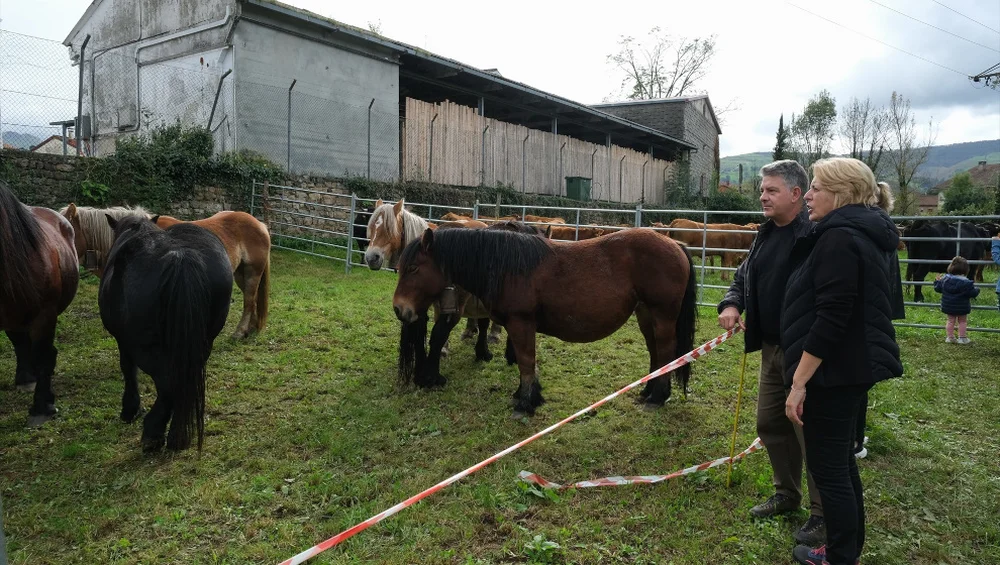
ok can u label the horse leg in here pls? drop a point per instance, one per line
(529, 393)
(919, 273)
(131, 406)
(248, 282)
(645, 319)
(482, 349)
(495, 331)
(154, 425)
(43, 355)
(470, 329)
(431, 376)
(24, 377)
(509, 353)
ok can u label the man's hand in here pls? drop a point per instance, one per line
(730, 318)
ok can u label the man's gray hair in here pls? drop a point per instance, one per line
(790, 171)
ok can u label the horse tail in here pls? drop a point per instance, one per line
(187, 307)
(263, 292)
(686, 322)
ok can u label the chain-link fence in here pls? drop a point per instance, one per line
(38, 94)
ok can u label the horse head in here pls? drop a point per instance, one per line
(385, 236)
(89, 260)
(421, 280)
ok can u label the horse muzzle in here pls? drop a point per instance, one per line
(405, 314)
(374, 260)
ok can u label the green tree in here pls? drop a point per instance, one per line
(812, 131)
(781, 144)
(963, 195)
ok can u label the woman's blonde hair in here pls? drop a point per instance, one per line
(852, 182)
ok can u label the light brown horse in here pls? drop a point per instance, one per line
(248, 244)
(39, 275)
(246, 239)
(578, 292)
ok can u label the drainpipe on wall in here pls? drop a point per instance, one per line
(79, 99)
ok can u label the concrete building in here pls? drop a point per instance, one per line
(689, 118)
(306, 91)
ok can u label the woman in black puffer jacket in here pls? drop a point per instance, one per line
(838, 337)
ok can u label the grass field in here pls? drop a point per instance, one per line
(308, 433)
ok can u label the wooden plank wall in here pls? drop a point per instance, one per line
(526, 159)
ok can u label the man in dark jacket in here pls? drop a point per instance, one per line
(758, 290)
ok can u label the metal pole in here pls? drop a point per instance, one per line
(430, 166)
(643, 181)
(65, 148)
(524, 163)
(253, 194)
(288, 148)
(592, 156)
(609, 166)
(621, 178)
(704, 243)
(638, 215)
(370, 104)
(561, 179)
(475, 210)
(218, 91)
(958, 244)
(577, 236)
(79, 99)
(482, 152)
(350, 234)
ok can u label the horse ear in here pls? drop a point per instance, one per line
(378, 203)
(155, 218)
(71, 211)
(427, 241)
(398, 207)
(111, 221)
(548, 232)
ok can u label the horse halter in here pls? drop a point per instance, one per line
(90, 259)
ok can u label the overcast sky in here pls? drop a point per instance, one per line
(772, 55)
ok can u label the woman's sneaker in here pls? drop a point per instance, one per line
(964, 340)
(950, 340)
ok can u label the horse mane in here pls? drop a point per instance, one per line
(20, 237)
(95, 226)
(481, 261)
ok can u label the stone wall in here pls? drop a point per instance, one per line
(53, 181)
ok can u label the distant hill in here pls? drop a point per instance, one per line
(943, 161)
(20, 140)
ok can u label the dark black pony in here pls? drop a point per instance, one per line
(164, 297)
(578, 292)
(942, 250)
(39, 274)
(424, 367)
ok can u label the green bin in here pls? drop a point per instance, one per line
(578, 188)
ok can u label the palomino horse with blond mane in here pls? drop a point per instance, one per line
(246, 239)
(39, 274)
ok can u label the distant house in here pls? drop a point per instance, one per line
(690, 118)
(929, 203)
(983, 175)
(53, 145)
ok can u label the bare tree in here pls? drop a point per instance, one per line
(906, 152)
(663, 66)
(863, 131)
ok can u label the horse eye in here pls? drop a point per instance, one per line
(411, 269)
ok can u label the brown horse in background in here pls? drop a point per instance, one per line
(246, 239)
(248, 245)
(578, 292)
(39, 275)
(714, 241)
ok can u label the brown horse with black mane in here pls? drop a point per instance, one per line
(39, 274)
(576, 291)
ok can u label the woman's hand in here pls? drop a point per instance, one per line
(794, 403)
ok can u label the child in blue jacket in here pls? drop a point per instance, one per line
(957, 292)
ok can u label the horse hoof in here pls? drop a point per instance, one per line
(152, 445)
(26, 387)
(128, 419)
(493, 339)
(487, 357)
(518, 415)
(650, 407)
(466, 336)
(36, 421)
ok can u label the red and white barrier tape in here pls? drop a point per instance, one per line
(529, 477)
(673, 365)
